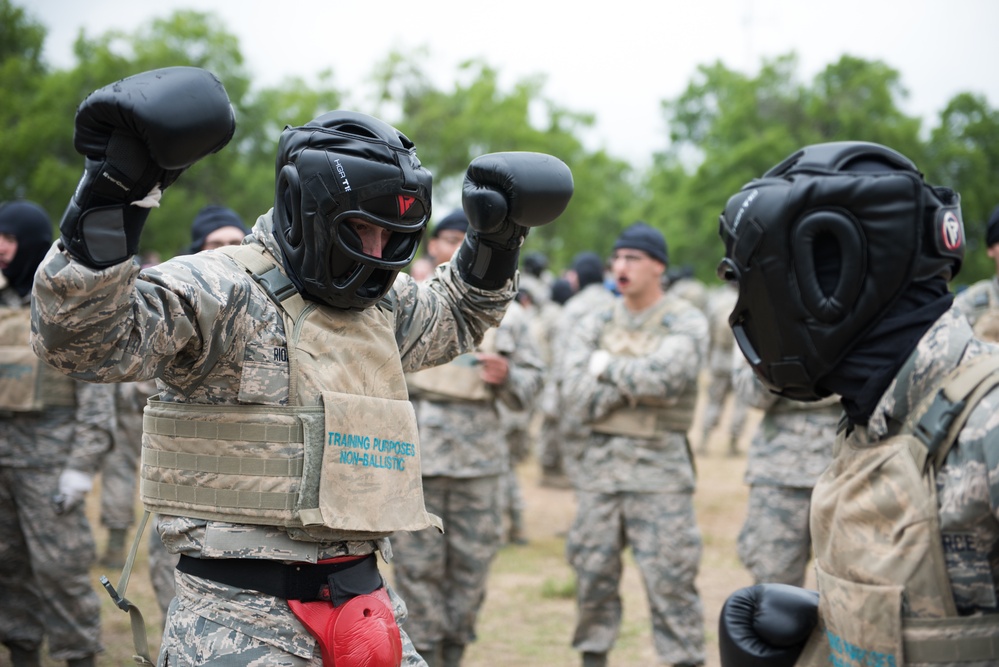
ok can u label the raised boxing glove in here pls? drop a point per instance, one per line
(503, 196)
(766, 625)
(136, 134)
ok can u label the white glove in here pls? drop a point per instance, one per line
(73, 487)
(599, 361)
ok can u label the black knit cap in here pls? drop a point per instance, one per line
(31, 226)
(992, 229)
(589, 268)
(454, 220)
(209, 219)
(644, 237)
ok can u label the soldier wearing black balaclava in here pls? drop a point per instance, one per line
(842, 254)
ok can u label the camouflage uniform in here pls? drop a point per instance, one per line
(791, 447)
(966, 485)
(635, 491)
(720, 303)
(210, 335)
(980, 304)
(562, 434)
(45, 557)
(442, 577)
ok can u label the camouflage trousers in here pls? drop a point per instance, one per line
(662, 531)
(119, 473)
(442, 577)
(774, 543)
(719, 387)
(213, 624)
(162, 566)
(45, 559)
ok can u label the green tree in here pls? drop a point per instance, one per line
(963, 153)
(453, 125)
(727, 128)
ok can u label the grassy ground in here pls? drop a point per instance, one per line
(529, 611)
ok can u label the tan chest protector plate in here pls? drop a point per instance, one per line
(459, 380)
(343, 457)
(27, 384)
(885, 595)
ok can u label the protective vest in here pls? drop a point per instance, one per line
(649, 417)
(27, 384)
(342, 458)
(458, 380)
(885, 596)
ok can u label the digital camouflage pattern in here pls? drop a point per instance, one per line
(980, 304)
(121, 466)
(45, 558)
(643, 487)
(791, 447)
(720, 303)
(967, 486)
(465, 457)
(562, 431)
(210, 335)
(850, 557)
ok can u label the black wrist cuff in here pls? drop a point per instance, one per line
(485, 266)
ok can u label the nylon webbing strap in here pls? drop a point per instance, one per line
(138, 624)
(225, 465)
(219, 497)
(204, 430)
(270, 276)
(983, 648)
(944, 415)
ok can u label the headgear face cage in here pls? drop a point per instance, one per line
(821, 247)
(343, 166)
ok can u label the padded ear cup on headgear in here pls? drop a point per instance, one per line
(829, 257)
(289, 195)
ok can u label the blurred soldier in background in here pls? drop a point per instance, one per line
(54, 433)
(464, 457)
(630, 371)
(719, 305)
(561, 430)
(980, 302)
(792, 445)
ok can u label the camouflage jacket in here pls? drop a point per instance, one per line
(968, 481)
(794, 442)
(195, 321)
(60, 437)
(467, 439)
(613, 463)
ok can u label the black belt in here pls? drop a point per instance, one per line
(337, 582)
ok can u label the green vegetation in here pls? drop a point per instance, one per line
(724, 129)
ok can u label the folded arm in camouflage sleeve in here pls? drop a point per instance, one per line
(667, 371)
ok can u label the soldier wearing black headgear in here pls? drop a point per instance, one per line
(279, 362)
(841, 255)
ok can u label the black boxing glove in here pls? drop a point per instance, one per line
(135, 134)
(766, 625)
(504, 195)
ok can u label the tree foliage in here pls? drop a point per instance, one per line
(726, 128)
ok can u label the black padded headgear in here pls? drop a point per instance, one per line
(821, 247)
(347, 165)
